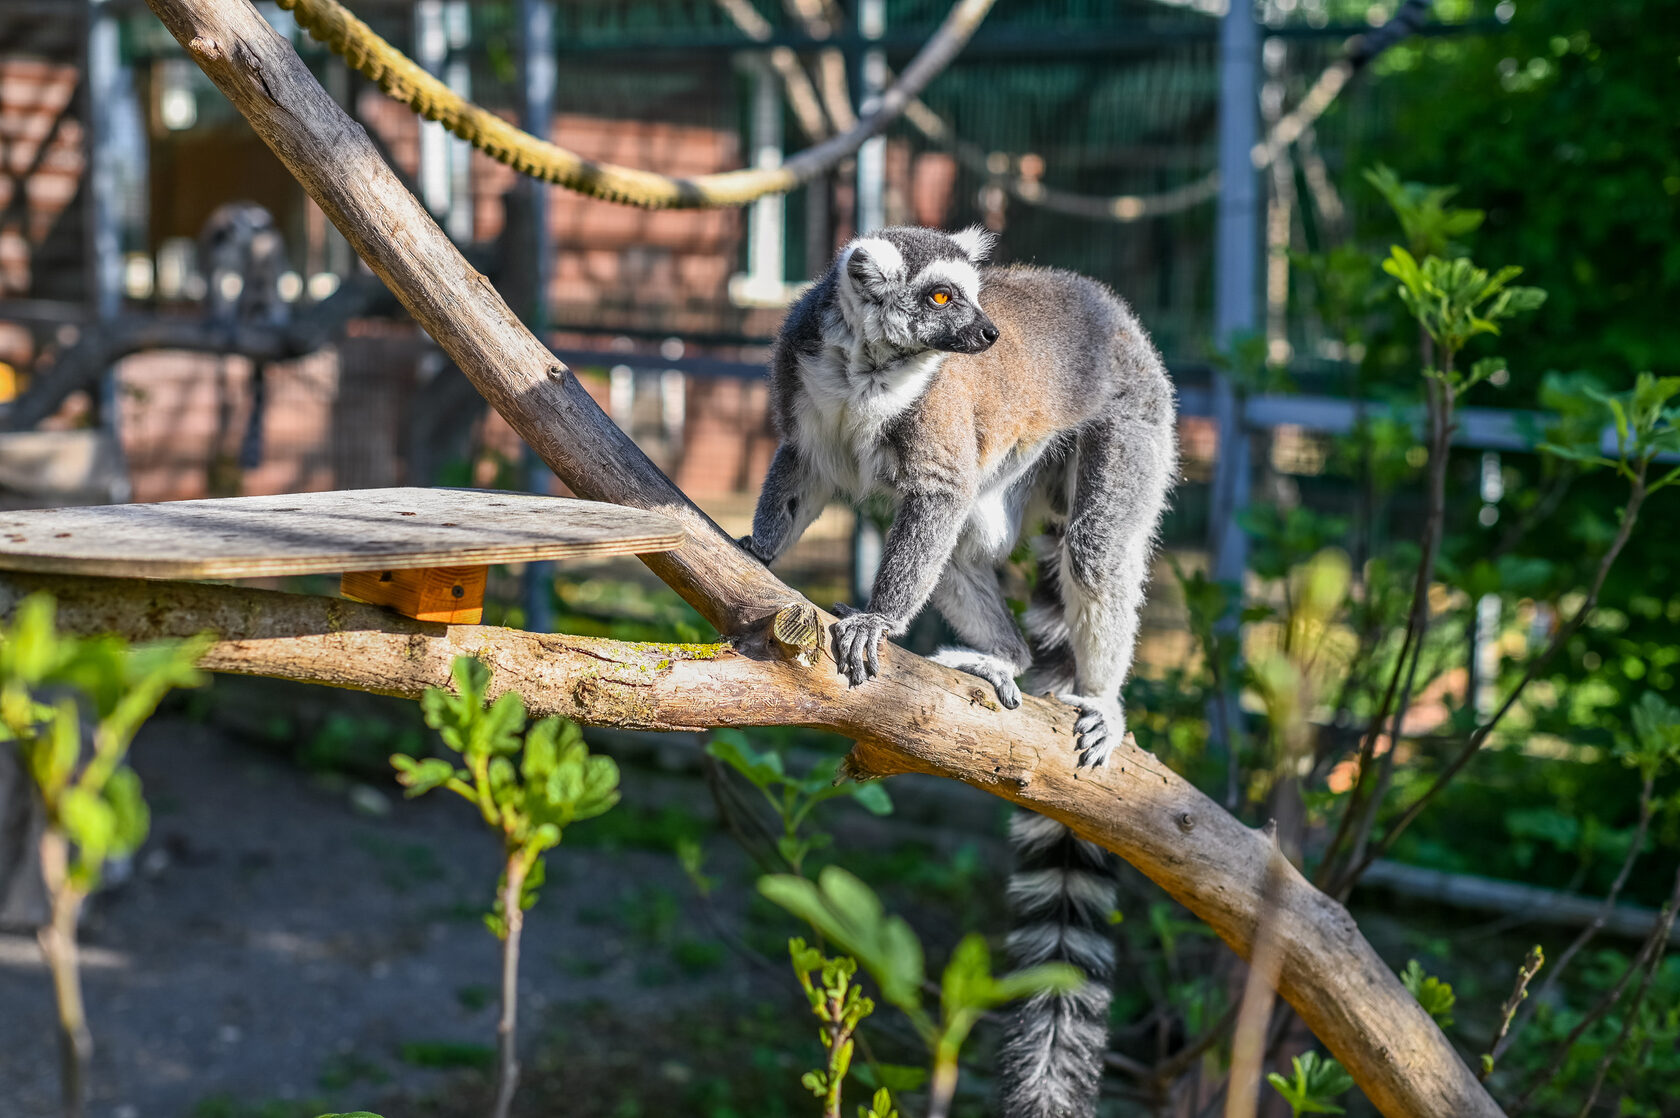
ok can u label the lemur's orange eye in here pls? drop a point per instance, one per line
(940, 297)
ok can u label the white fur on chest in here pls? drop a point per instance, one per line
(841, 418)
(994, 520)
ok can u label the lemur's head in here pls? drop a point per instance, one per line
(916, 289)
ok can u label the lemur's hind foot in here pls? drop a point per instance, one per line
(1100, 727)
(995, 670)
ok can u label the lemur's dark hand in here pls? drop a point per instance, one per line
(746, 544)
(857, 643)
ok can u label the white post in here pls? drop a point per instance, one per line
(872, 157)
(765, 225)
(871, 214)
(442, 31)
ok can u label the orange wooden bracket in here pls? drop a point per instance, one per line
(452, 595)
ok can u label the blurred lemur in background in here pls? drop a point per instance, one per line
(985, 401)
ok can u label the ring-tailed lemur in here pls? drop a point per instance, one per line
(1049, 407)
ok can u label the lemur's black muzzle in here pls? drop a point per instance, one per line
(976, 337)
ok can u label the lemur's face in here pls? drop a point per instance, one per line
(917, 289)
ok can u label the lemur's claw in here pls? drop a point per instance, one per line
(857, 644)
(1100, 726)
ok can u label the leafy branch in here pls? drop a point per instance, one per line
(92, 799)
(848, 913)
(557, 782)
(792, 797)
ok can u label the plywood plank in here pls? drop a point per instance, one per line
(312, 533)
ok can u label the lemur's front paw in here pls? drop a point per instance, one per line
(995, 671)
(857, 643)
(1100, 726)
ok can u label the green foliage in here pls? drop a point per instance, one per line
(841, 1006)
(846, 911)
(1284, 538)
(1342, 280)
(1432, 227)
(47, 680)
(1318, 1081)
(968, 988)
(792, 797)
(879, 1107)
(1561, 123)
(1436, 997)
(346, 743)
(1646, 423)
(447, 1054)
(1643, 1076)
(1454, 301)
(1655, 743)
(556, 783)
(1249, 366)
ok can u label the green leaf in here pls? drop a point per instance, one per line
(56, 750)
(1316, 1082)
(32, 648)
(897, 1078)
(91, 824)
(1436, 997)
(130, 817)
(730, 747)
(847, 911)
(872, 797)
(1656, 736)
(420, 776)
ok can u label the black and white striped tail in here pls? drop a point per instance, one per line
(1062, 893)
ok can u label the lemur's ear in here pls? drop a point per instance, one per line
(976, 241)
(873, 267)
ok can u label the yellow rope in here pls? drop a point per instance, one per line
(401, 79)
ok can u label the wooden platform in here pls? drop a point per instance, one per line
(309, 533)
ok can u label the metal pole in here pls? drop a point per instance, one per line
(536, 19)
(105, 97)
(871, 79)
(1236, 268)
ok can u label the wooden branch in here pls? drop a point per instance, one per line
(916, 717)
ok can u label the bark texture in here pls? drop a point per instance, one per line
(915, 717)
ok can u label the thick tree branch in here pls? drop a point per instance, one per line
(915, 717)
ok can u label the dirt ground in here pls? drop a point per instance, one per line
(287, 944)
(279, 937)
